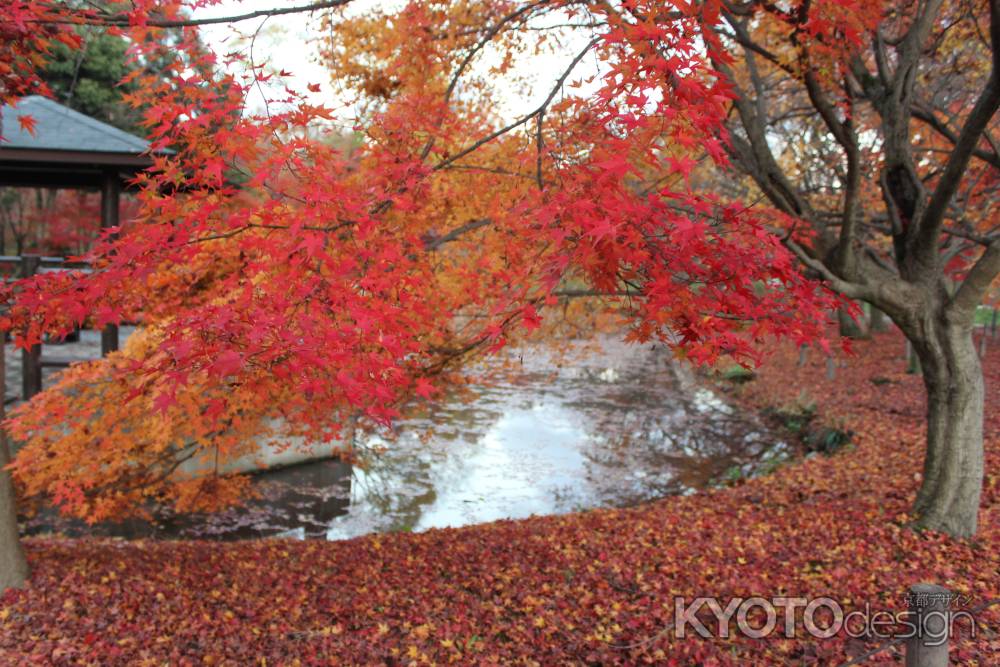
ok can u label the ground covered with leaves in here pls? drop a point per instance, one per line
(596, 587)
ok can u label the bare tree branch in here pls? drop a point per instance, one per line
(928, 116)
(517, 123)
(980, 277)
(849, 289)
(433, 242)
(754, 151)
(123, 20)
(486, 38)
(926, 238)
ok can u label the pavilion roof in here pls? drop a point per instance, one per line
(60, 128)
(67, 148)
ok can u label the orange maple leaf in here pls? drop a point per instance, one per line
(27, 123)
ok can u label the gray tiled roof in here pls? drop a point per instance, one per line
(62, 129)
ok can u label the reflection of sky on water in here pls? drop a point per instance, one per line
(519, 466)
(611, 427)
(615, 427)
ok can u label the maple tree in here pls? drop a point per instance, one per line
(286, 288)
(886, 166)
(55, 223)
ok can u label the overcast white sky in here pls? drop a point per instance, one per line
(284, 44)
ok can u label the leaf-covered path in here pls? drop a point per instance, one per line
(593, 588)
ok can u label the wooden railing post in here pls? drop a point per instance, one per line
(31, 367)
(109, 339)
(928, 647)
(110, 195)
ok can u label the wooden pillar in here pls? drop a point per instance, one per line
(928, 647)
(31, 366)
(110, 195)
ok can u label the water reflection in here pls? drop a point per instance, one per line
(611, 427)
(298, 501)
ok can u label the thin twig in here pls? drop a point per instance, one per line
(123, 20)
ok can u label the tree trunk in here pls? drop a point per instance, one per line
(13, 566)
(877, 321)
(912, 360)
(948, 499)
(851, 328)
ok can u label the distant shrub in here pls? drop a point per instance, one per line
(737, 374)
(828, 439)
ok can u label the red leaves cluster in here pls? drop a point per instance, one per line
(24, 43)
(594, 587)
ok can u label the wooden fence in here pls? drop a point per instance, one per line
(33, 360)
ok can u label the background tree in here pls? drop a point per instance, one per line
(872, 127)
(87, 78)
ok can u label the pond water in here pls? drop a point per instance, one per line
(611, 426)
